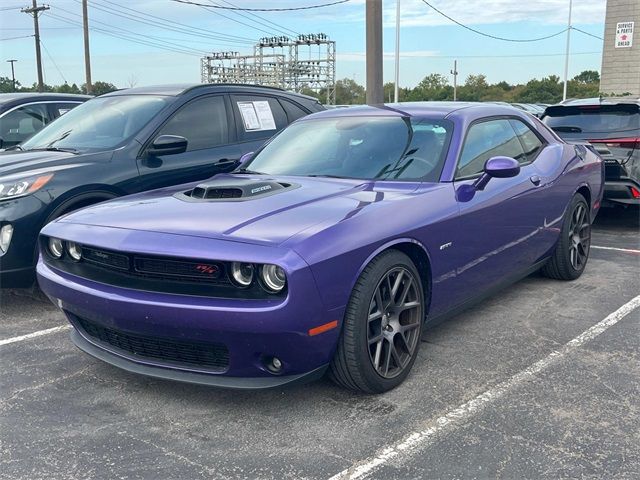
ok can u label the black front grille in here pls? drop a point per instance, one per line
(210, 356)
(208, 271)
(106, 258)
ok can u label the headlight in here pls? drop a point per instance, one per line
(74, 250)
(56, 248)
(17, 187)
(242, 273)
(273, 277)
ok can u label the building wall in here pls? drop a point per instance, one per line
(621, 66)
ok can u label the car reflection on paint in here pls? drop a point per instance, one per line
(332, 248)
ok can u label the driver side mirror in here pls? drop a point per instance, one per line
(497, 167)
(167, 145)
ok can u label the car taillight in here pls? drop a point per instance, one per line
(635, 193)
(628, 142)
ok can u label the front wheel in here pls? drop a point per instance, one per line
(572, 250)
(382, 326)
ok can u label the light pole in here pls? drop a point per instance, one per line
(13, 73)
(566, 57)
(396, 89)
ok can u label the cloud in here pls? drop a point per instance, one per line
(485, 12)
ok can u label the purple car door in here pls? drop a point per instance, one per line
(501, 228)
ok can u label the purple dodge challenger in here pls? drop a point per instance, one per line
(329, 249)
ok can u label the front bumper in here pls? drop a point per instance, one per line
(17, 265)
(252, 330)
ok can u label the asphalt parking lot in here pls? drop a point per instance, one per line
(541, 381)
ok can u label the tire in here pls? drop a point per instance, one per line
(380, 337)
(572, 250)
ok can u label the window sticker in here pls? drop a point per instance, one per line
(256, 116)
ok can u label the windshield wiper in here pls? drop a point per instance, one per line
(250, 172)
(325, 176)
(54, 149)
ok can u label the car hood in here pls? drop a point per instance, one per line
(265, 219)
(16, 163)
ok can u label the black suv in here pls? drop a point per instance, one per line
(612, 127)
(125, 142)
(24, 114)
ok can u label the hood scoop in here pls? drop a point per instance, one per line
(234, 189)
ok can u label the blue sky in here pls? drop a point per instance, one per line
(429, 42)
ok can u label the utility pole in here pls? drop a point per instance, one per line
(375, 93)
(454, 72)
(87, 58)
(566, 57)
(34, 11)
(397, 79)
(13, 73)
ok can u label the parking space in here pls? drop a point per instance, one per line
(503, 390)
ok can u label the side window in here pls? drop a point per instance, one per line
(293, 111)
(203, 122)
(530, 141)
(19, 124)
(60, 109)
(485, 140)
(258, 117)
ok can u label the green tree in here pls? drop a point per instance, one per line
(98, 88)
(587, 77)
(6, 85)
(349, 92)
(545, 90)
(475, 89)
(432, 87)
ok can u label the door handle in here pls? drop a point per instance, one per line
(535, 179)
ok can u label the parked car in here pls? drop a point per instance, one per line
(24, 114)
(331, 248)
(532, 108)
(126, 142)
(612, 126)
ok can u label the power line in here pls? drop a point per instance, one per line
(143, 17)
(587, 33)
(262, 18)
(504, 39)
(15, 38)
(291, 9)
(152, 37)
(46, 50)
(121, 36)
(238, 21)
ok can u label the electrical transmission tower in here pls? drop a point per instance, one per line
(306, 62)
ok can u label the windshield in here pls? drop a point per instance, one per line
(386, 148)
(99, 124)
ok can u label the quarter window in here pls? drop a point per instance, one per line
(530, 141)
(294, 112)
(203, 122)
(485, 140)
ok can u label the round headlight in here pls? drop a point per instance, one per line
(273, 278)
(56, 247)
(242, 273)
(75, 251)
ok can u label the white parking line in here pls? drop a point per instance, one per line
(467, 410)
(626, 250)
(39, 333)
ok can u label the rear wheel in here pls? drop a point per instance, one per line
(382, 326)
(572, 250)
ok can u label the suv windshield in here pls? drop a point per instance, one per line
(590, 119)
(385, 148)
(99, 124)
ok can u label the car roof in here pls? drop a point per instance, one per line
(420, 109)
(174, 90)
(599, 101)
(35, 96)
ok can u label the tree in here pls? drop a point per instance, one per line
(546, 90)
(6, 85)
(432, 87)
(587, 77)
(98, 88)
(349, 92)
